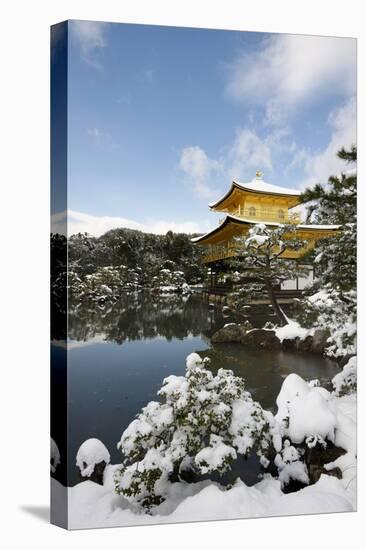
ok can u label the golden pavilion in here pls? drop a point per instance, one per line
(246, 204)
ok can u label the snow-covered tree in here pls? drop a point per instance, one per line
(332, 301)
(260, 263)
(202, 424)
(105, 283)
(328, 308)
(336, 203)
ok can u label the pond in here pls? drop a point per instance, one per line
(119, 355)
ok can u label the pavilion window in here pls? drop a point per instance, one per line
(252, 211)
(281, 214)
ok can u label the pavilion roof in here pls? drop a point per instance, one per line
(243, 221)
(257, 185)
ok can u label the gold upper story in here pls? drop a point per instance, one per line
(259, 201)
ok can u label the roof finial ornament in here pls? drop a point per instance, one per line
(259, 175)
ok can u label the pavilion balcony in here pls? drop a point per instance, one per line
(262, 214)
(217, 252)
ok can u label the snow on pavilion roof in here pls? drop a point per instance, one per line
(257, 185)
(229, 218)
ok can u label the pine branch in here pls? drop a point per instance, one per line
(348, 156)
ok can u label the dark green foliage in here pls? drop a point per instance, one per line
(136, 250)
(349, 156)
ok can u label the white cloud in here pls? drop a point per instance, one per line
(90, 37)
(248, 153)
(200, 169)
(284, 75)
(319, 166)
(81, 222)
(289, 70)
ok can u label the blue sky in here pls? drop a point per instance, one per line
(161, 119)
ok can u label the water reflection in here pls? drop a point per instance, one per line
(141, 316)
(264, 371)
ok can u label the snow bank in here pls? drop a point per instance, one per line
(90, 453)
(291, 331)
(93, 505)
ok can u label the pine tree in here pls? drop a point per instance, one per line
(336, 203)
(260, 263)
(331, 301)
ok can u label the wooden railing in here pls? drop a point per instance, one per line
(218, 252)
(265, 215)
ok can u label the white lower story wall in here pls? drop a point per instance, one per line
(300, 283)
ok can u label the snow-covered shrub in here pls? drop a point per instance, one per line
(329, 309)
(311, 417)
(55, 458)
(290, 466)
(167, 281)
(91, 453)
(304, 411)
(201, 425)
(308, 416)
(104, 284)
(345, 382)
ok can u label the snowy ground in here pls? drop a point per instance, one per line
(93, 505)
